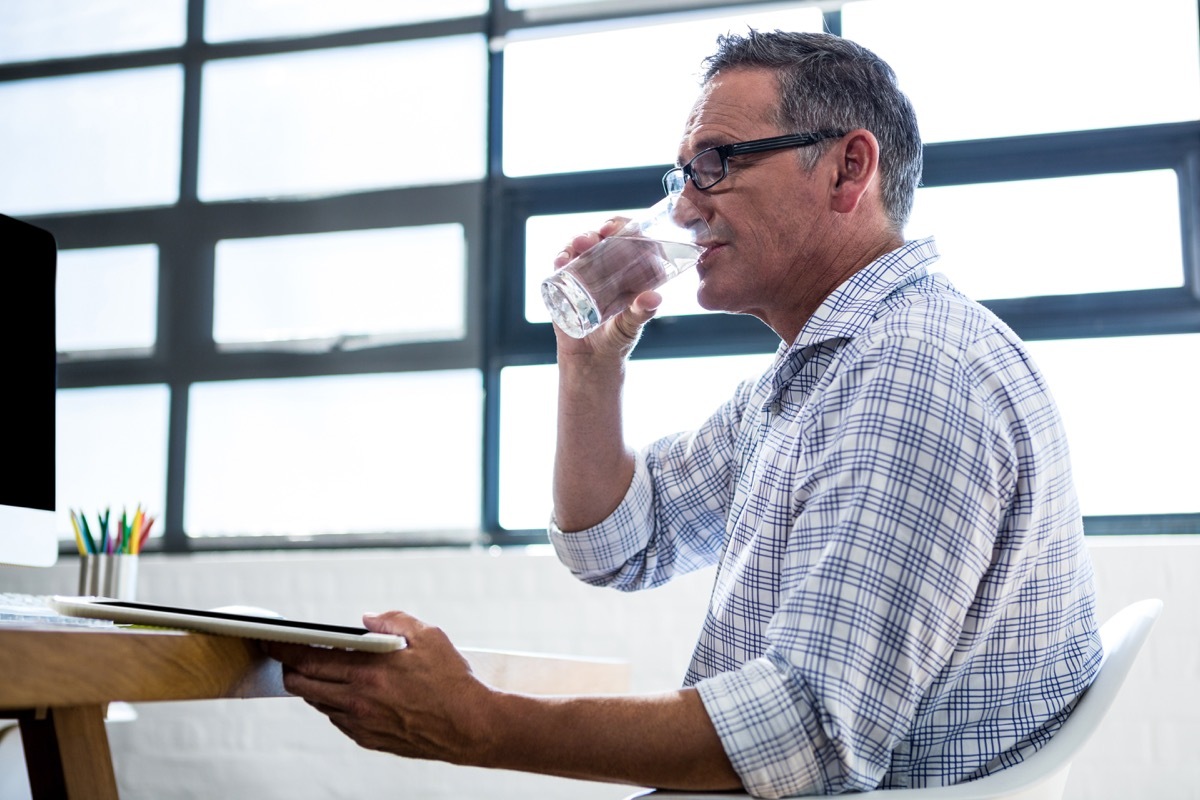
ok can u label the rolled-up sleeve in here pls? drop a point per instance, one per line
(597, 555)
(672, 518)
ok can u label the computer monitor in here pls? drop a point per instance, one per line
(28, 374)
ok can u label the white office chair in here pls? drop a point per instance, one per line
(1042, 776)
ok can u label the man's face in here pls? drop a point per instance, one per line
(767, 216)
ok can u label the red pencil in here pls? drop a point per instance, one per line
(145, 533)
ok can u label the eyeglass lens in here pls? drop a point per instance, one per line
(705, 169)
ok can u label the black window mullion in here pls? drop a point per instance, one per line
(1189, 218)
(1056, 155)
(495, 277)
(185, 286)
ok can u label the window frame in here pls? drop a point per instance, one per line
(493, 213)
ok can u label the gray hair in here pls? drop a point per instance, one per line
(830, 83)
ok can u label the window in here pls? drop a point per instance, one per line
(111, 450)
(1132, 439)
(346, 288)
(366, 454)
(30, 31)
(1056, 221)
(313, 234)
(1053, 149)
(96, 141)
(107, 300)
(1035, 67)
(343, 119)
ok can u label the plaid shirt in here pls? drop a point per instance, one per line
(903, 596)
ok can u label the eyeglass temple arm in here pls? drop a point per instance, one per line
(778, 142)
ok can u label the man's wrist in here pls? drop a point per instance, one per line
(494, 724)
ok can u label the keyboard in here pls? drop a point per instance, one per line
(33, 611)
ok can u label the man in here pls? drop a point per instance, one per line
(902, 596)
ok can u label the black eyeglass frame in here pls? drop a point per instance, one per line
(728, 151)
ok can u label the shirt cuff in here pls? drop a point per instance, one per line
(763, 729)
(606, 546)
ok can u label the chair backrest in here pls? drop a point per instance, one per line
(1043, 775)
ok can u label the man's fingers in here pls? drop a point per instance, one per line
(324, 695)
(586, 241)
(394, 622)
(318, 663)
(583, 241)
(646, 304)
(613, 225)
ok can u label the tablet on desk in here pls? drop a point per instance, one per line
(228, 624)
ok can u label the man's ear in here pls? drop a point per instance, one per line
(857, 168)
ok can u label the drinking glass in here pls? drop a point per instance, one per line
(649, 250)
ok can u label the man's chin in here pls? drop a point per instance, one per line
(708, 297)
(703, 300)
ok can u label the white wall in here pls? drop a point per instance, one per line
(524, 600)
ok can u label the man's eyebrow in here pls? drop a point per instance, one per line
(709, 142)
(699, 146)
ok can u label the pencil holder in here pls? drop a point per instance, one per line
(108, 575)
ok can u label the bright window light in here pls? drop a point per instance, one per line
(1039, 237)
(1129, 406)
(111, 451)
(992, 68)
(42, 29)
(107, 298)
(386, 285)
(374, 454)
(101, 140)
(344, 119)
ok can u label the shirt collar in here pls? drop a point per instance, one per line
(850, 308)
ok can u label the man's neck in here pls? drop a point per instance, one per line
(813, 286)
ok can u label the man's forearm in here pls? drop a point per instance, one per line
(425, 702)
(661, 740)
(592, 465)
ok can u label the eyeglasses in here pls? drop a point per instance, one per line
(709, 167)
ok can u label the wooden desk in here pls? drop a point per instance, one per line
(49, 681)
